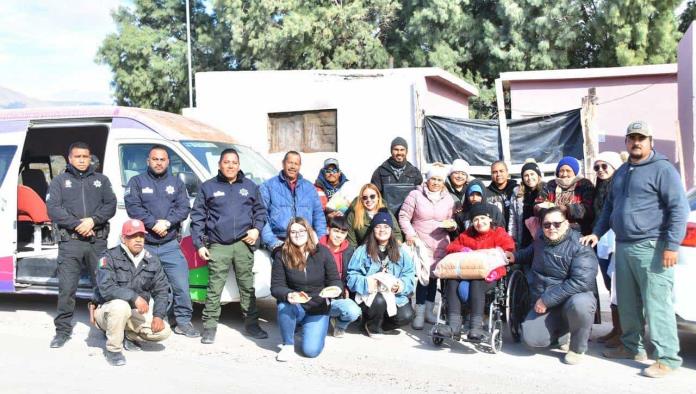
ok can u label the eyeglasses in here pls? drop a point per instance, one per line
(603, 166)
(331, 171)
(296, 233)
(548, 225)
(369, 197)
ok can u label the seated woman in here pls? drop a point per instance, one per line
(299, 273)
(361, 212)
(380, 261)
(482, 234)
(561, 283)
(476, 192)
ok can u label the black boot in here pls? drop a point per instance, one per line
(477, 333)
(252, 329)
(455, 323)
(208, 336)
(59, 340)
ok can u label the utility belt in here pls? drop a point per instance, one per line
(101, 233)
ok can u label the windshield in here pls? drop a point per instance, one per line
(255, 167)
(6, 154)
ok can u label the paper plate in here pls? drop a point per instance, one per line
(330, 292)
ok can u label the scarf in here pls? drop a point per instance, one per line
(559, 240)
(135, 259)
(328, 188)
(565, 190)
(397, 167)
(432, 196)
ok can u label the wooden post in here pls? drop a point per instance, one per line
(588, 112)
(502, 122)
(419, 118)
(680, 154)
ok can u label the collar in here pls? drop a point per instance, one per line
(135, 259)
(157, 176)
(223, 179)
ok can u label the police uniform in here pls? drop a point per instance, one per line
(119, 283)
(150, 197)
(222, 214)
(72, 196)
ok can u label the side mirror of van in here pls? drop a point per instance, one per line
(191, 181)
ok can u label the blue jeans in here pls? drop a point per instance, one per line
(177, 272)
(314, 328)
(346, 311)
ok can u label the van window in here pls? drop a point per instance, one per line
(254, 166)
(133, 158)
(6, 154)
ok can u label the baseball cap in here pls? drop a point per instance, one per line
(639, 127)
(329, 162)
(132, 226)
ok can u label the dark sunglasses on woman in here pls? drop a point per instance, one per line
(603, 166)
(548, 225)
(369, 197)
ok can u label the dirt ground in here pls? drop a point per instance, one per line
(407, 362)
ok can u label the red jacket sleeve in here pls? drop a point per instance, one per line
(503, 240)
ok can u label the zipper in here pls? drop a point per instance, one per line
(84, 206)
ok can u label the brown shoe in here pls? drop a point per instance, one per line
(622, 353)
(613, 342)
(607, 337)
(657, 370)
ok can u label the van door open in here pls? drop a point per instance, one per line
(12, 136)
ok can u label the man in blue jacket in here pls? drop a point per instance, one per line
(226, 220)
(647, 209)
(289, 195)
(160, 201)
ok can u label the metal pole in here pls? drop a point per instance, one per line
(188, 54)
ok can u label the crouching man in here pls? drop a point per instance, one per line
(127, 277)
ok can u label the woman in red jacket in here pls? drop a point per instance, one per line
(482, 234)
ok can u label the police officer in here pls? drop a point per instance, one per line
(161, 202)
(226, 220)
(80, 203)
(127, 277)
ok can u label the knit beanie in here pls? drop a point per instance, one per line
(530, 166)
(481, 209)
(398, 141)
(382, 217)
(571, 162)
(459, 165)
(437, 171)
(611, 158)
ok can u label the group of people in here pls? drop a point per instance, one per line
(340, 254)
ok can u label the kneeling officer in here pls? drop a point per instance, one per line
(127, 277)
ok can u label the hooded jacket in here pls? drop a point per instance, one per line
(223, 212)
(462, 217)
(422, 218)
(341, 256)
(646, 202)
(502, 198)
(282, 204)
(150, 197)
(459, 197)
(559, 271)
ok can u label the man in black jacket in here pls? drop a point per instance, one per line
(160, 201)
(226, 221)
(80, 203)
(562, 280)
(127, 277)
(501, 189)
(396, 177)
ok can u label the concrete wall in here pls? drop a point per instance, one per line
(372, 107)
(685, 54)
(652, 98)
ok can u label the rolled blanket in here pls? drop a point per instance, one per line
(476, 264)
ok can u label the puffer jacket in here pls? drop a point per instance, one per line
(472, 239)
(420, 217)
(559, 271)
(282, 204)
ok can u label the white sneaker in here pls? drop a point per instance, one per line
(286, 353)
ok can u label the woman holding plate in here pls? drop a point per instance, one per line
(300, 275)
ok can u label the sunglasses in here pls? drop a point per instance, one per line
(603, 166)
(548, 225)
(331, 171)
(369, 197)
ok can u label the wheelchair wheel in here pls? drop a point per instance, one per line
(517, 303)
(437, 341)
(496, 341)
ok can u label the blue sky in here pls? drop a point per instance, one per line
(47, 48)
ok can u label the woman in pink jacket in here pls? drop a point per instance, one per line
(427, 215)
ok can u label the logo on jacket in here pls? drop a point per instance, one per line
(97, 183)
(244, 192)
(169, 189)
(102, 262)
(68, 183)
(147, 190)
(218, 194)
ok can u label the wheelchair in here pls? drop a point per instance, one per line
(507, 302)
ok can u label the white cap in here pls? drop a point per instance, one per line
(459, 165)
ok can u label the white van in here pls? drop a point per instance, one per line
(33, 149)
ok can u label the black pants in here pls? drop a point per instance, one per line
(375, 317)
(477, 296)
(72, 256)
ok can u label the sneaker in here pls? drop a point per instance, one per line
(286, 353)
(187, 329)
(624, 354)
(59, 340)
(657, 370)
(208, 336)
(131, 346)
(115, 358)
(572, 358)
(255, 331)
